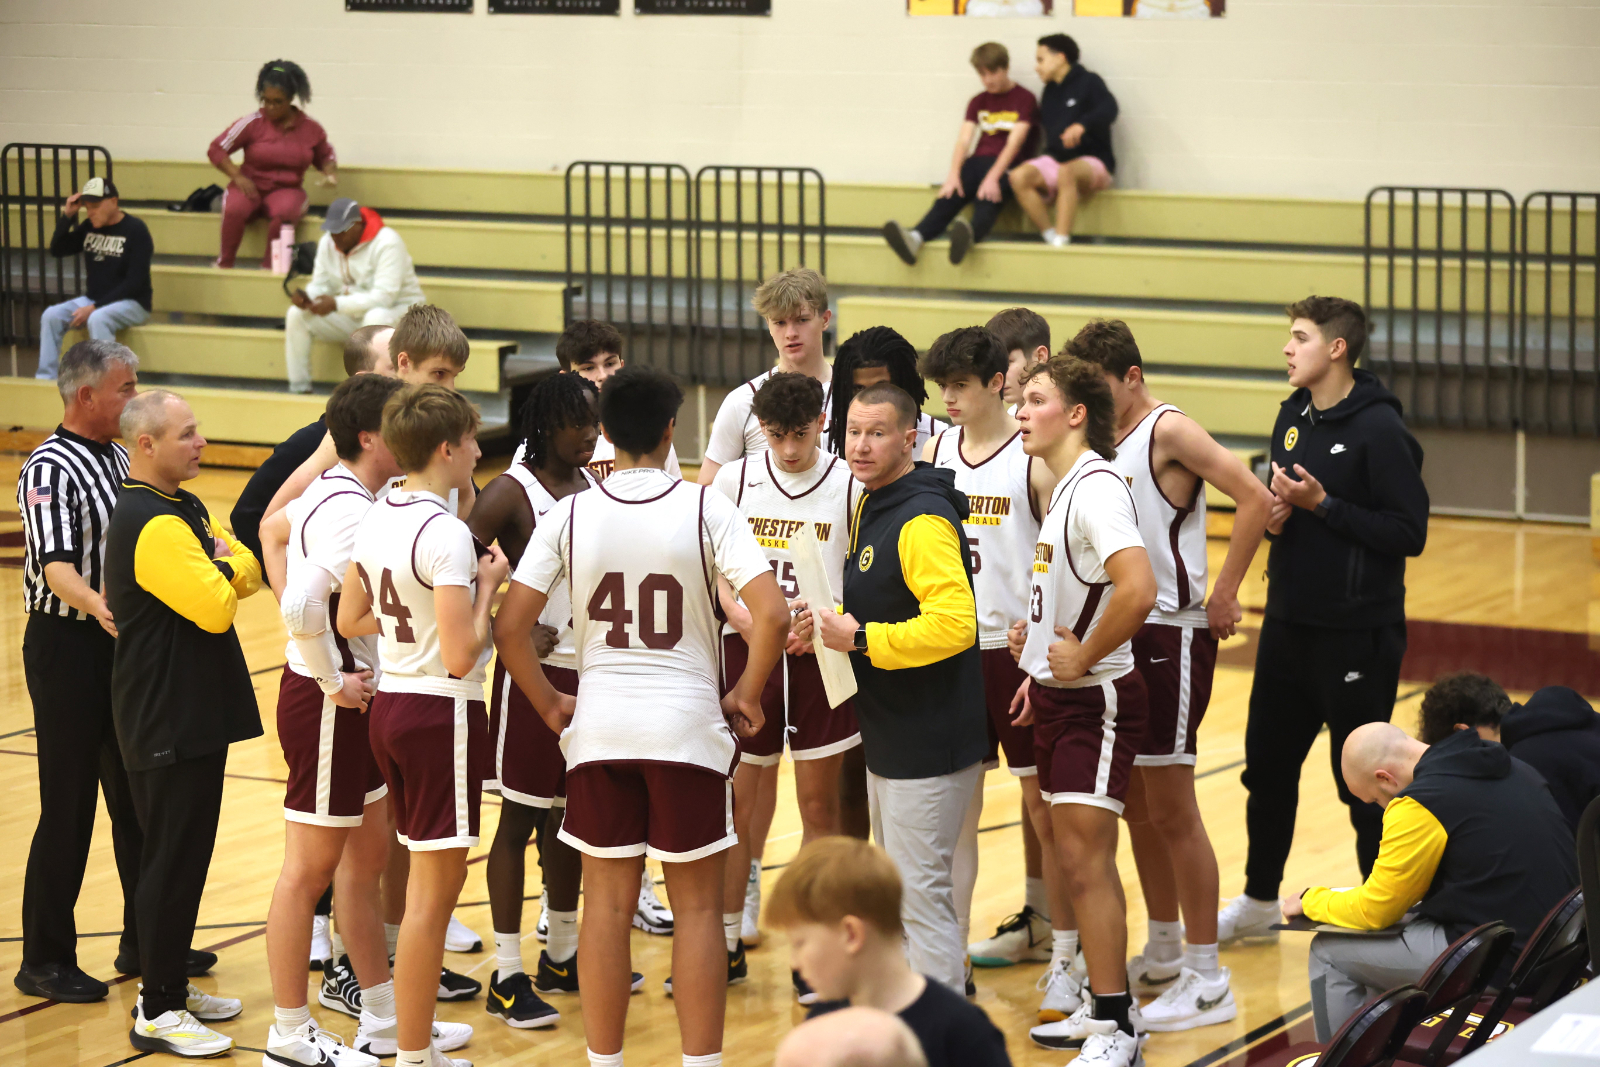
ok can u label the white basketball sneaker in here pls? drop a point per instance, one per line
(313, 1047)
(1115, 1049)
(1150, 977)
(1024, 937)
(381, 1037)
(1063, 993)
(750, 926)
(1193, 1001)
(321, 941)
(1073, 1031)
(177, 1032)
(541, 929)
(202, 1005)
(459, 937)
(651, 916)
(1244, 917)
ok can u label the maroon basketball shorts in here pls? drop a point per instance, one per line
(1001, 680)
(1085, 739)
(1177, 663)
(434, 753)
(528, 765)
(801, 715)
(332, 775)
(674, 812)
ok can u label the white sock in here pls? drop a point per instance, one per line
(423, 1058)
(731, 923)
(914, 240)
(338, 945)
(612, 1059)
(378, 1000)
(1063, 946)
(713, 1060)
(288, 1020)
(1036, 897)
(1203, 958)
(1049, 235)
(562, 942)
(391, 935)
(508, 953)
(1166, 942)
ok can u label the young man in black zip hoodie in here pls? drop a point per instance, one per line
(1350, 508)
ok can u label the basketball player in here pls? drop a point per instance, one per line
(1164, 456)
(417, 581)
(647, 776)
(1025, 335)
(1084, 697)
(777, 491)
(878, 354)
(335, 800)
(794, 305)
(561, 421)
(1007, 491)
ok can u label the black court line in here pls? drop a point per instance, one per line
(19, 733)
(268, 670)
(257, 778)
(118, 933)
(130, 1059)
(1282, 1022)
(1219, 770)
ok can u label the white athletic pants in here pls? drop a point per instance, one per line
(301, 327)
(918, 822)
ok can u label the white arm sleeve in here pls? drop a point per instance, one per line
(305, 613)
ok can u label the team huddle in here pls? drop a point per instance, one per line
(656, 660)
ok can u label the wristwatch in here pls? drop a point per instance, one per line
(1321, 510)
(861, 639)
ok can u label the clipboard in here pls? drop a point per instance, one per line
(838, 676)
(1303, 925)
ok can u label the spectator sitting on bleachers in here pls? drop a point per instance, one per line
(363, 277)
(279, 142)
(1470, 835)
(1004, 117)
(1557, 733)
(117, 251)
(1075, 159)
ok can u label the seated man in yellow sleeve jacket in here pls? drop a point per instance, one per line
(1470, 835)
(180, 695)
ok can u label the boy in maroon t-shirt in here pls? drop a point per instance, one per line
(1004, 116)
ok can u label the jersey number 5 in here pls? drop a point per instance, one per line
(609, 603)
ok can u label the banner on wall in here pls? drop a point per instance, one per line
(702, 7)
(1151, 9)
(555, 7)
(995, 9)
(447, 6)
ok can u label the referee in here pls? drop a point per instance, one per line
(65, 494)
(1350, 508)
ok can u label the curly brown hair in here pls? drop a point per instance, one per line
(1080, 382)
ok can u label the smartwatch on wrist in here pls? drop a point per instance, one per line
(861, 639)
(1321, 510)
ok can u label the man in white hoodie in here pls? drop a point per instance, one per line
(363, 277)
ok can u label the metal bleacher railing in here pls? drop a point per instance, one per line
(672, 262)
(35, 180)
(1483, 310)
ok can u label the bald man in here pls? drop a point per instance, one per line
(851, 1037)
(1470, 835)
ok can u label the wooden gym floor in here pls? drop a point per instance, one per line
(1515, 600)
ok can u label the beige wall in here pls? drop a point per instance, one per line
(1298, 97)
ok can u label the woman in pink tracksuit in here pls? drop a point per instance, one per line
(279, 142)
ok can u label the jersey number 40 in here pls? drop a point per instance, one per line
(660, 625)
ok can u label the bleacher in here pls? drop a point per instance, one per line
(1201, 279)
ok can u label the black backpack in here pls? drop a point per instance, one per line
(201, 200)
(304, 262)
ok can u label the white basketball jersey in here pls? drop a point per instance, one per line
(776, 504)
(408, 544)
(736, 431)
(1001, 530)
(322, 532)
(604, 460)
(640, 556)
(1091, 519)
(1175, 537)
(928, 428)
(557, 612)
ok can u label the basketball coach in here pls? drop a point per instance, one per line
(910, 624)
(1350, 508)
(180, 689)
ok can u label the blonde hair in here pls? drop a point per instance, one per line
(426, 331)
(837, 876)
(420, 418)
(787, 292)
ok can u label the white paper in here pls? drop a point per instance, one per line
(1572, 1035)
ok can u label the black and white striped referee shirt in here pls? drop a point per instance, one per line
(65, 495)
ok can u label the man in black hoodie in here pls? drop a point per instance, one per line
(1470, 835)
(1557, 733)
(1350, 508)
(910, 624)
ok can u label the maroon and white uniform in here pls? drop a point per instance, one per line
(604, 460)
(775, 504)
(1001, 531)
(528, 765)
(332, 775)
(736, 432)
(429, 731)
(1174, 650)
(1086, 731)
(649, 754)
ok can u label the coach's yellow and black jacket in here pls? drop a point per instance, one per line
(1476, 837)
(908, 581)
(179, 684)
